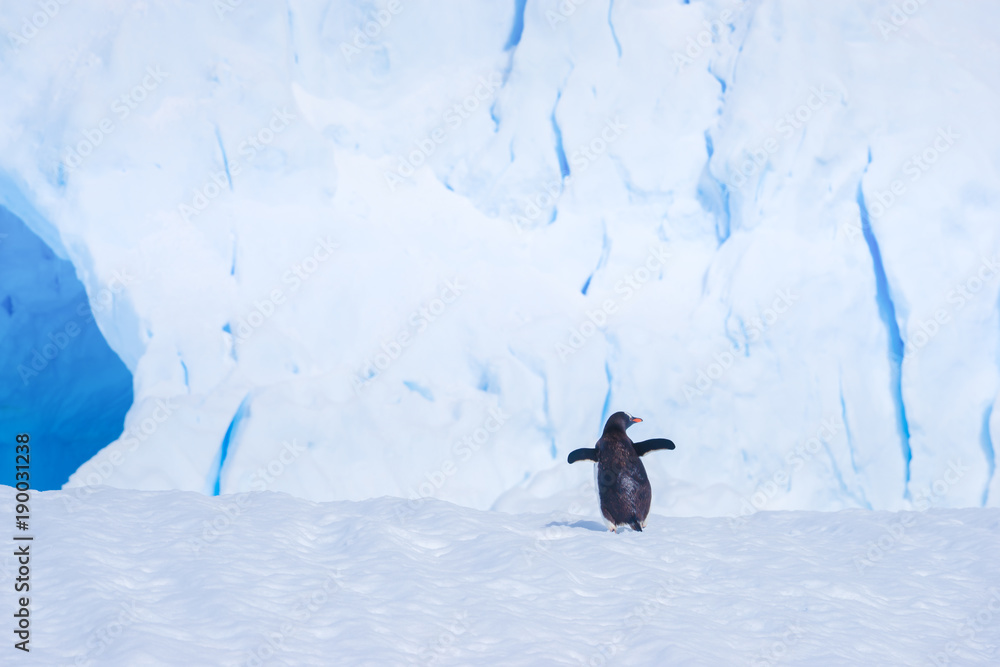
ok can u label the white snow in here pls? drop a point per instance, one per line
(230, 145)
(166, 578)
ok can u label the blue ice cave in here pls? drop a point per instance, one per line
(59, 381)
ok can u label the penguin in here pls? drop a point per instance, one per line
(622, 483)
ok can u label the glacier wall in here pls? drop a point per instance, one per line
(424, 248)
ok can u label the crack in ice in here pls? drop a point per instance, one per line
(225, 159)
(990, 453)
(887, 311)
(611, 24)
(229, 439)
(560, 152)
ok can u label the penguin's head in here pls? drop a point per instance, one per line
(620, 421)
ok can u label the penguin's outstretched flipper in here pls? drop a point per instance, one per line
(586, 454)
(647, 446)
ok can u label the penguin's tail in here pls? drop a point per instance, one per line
(635, 525)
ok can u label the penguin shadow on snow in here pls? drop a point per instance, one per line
(586, 525)
(622, 483)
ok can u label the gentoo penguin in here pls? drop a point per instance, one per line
(621, 478)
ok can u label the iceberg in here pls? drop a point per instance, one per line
(424, 248)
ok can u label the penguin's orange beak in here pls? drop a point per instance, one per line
(636, 420)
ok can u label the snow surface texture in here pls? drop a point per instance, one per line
(774, 238)
(123, 577)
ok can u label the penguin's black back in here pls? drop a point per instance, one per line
(622, 483)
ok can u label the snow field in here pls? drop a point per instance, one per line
(164, 578)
